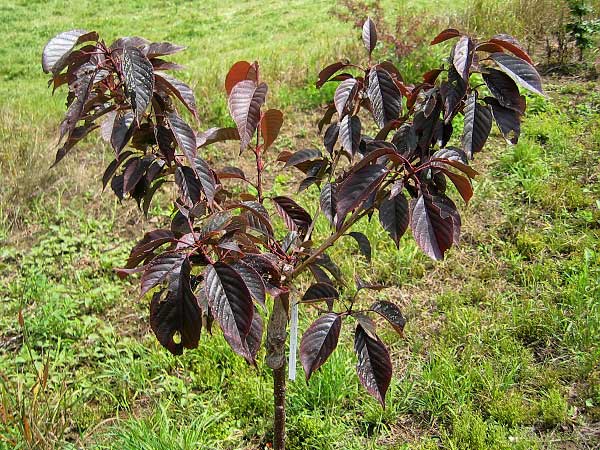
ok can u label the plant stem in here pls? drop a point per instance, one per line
(328, 243)
(276, 337)
(279, 420)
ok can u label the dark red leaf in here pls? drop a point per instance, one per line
(391, 313)
(321, 292)
(344, 96)
(207, 178)
(240, 71)
(295, 216)
(386, 100)
(445, 35)
(463, 57)
(184, 136)
(435, 224)
(270, 124)
(349, 134)
(453, 157)
(394, 216)
(302, 156)
(356, 188)
(76, 109)
(245, 101)
(326, 119)
(477, 125)
(374, 367)
(159, 268)
(432, 75)
(138, 76)
(122, 130)
(523, 73)
(231, 305)
(319, 341)
(133, 173)
(363, 243)
(369, 35)
(57, 50)
(178, 88)
(189, 185)
(328, 71)
(512, 45)
(213, 135)
(162, 49)
(462, 184)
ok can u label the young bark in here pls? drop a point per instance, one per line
(276, 337)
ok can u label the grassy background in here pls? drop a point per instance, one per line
(502, 345)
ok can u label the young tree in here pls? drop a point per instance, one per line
(221, 259)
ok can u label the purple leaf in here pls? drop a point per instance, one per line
(295, 216)
(505, 90)
(394, 216)
(522, 73)
(189, 186)
(349, 133)
(508, 120)
(159, 268)
(57, 50)
(328, 71)
(374, 367)
(435, 224)
(463, 57)
(207, 178)
(245, 101)
(386, 100)
(178, 312)
(138, 76)
(321, 292)
(184, 136)
(477, 126)
(391, 313)
(146, 246)
(363, 243)
(254, 338)
(344, 96)
(231, 305)
(327, 201)
(253, 281)
(369, 35)
(178, 88)
(319, 341)
(356, 188)
(162, 49)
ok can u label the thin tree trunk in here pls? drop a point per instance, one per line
(276, 338)
(279, 420)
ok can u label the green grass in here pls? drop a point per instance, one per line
(502, 347)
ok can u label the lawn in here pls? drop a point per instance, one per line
(502, 344)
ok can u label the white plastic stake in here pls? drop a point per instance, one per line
(293, 342)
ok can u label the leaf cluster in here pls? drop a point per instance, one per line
(221, 258)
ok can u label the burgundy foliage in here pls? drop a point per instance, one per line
(221, 255)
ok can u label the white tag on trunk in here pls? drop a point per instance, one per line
(293, 342)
